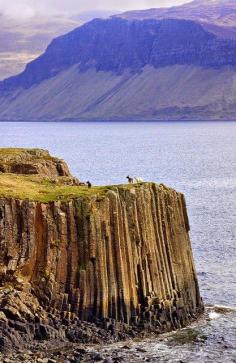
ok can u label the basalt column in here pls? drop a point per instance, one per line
(124, 255)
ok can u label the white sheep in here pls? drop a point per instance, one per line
(138, 180)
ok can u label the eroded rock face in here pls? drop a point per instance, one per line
(120, 260)
(32, 162)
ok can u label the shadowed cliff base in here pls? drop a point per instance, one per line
(90, 266)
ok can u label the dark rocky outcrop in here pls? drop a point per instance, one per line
(32, 162)
(116, 263)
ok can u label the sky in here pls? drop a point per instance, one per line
(29, 8)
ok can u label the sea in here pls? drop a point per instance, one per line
(196, 158)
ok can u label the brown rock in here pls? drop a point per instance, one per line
(32, 162)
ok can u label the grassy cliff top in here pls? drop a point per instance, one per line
(35, 188)
(35, 175)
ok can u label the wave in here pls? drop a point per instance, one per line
(221, 309)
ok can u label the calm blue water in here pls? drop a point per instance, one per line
(198, 159)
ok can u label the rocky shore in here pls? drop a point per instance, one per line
(82, 267)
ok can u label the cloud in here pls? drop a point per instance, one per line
(17, 9)
(29, 8)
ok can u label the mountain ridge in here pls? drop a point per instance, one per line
(137, 44)
(217, 16)
(121, 69)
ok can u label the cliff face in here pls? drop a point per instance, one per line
(122, 256)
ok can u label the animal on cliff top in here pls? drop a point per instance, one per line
(89, 184)
(138, 180)
(130, 180)
(134, 180)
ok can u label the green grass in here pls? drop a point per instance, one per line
(35, 188)
(38, 188)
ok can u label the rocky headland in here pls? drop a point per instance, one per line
(83, 266)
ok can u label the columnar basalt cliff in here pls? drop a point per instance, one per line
(119, 257)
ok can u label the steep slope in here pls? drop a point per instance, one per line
(146, 69)
(109, 255)
(173, 92)
(217, 16)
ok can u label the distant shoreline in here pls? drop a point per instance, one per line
(117, 121)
